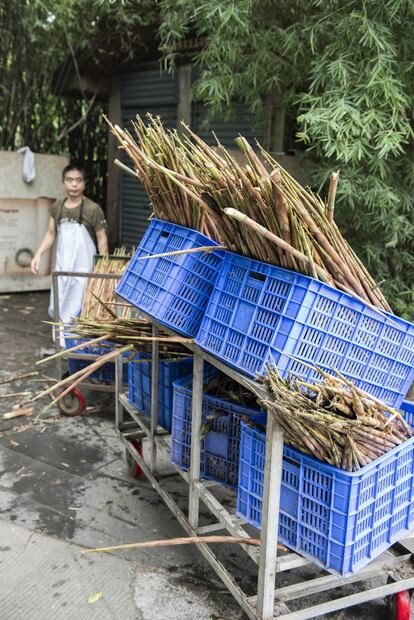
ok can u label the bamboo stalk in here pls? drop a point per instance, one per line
(82, 345)
(206, 248)
(193, 540)
(261, 230)
(17, 377)
(85, 373)
(333, 184)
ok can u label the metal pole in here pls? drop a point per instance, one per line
(119, 410)
(56, 318)
(154, 397)
(270, 519)
(194, 473)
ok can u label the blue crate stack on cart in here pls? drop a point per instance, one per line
(248, 314)
(175, 291)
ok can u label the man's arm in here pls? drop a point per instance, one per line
(48, 241)
(102, 239)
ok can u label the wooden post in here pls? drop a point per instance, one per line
(270, 519)
(274, 126)
(119, 373)
(194, 474)
(278, 130)
(184, 96)
(114, 185)
(56, 319)
(155, 366)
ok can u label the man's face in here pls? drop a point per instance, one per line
(74, 184)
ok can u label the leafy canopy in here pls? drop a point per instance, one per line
(346, 68)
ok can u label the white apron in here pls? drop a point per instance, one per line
(74, 252)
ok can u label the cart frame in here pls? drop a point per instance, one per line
(269, 602)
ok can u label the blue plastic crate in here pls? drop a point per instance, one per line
(139, 385)
(407, 407)
(260, 313)
(340, 520)
(173, 289)
(219, 458)
(104, 374)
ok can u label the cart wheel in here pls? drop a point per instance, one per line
(399, 606)
(133, 468)
(73, 403)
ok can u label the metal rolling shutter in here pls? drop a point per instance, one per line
(241, 122)
(142, 92)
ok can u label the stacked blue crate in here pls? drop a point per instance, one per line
(219, 456)
(259, 314)
(340, 520)
(173, 289)
(139, 384)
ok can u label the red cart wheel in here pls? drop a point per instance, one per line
(399, 606)
(73, 404)
(133, 468)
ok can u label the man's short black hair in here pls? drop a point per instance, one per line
(73, 166)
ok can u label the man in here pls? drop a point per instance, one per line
(75, 223)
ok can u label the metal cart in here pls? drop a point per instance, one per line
(270, 601)
(75, 402)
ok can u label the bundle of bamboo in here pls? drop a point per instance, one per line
(98, 289)
(257, 209)
(334, 420)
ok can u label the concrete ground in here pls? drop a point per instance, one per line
(64, 487)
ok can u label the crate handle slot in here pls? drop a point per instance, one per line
(164, 233)
(286, 459)
(257, 276)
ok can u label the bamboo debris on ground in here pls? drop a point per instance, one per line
(17, 377)
(334, 421)
(190, 540)
(98, 289)
(14, 395)
(18, 413)
(192, 184)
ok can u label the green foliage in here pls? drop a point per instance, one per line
(36, 38)
(347, 69)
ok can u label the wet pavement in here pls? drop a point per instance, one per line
(64, 487)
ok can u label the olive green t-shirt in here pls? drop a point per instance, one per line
(92, 217)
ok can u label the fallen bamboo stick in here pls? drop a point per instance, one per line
(17, 377)
(193, 540)
(14, 394)
(18, 413)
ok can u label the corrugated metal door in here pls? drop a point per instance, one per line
(142, 92)
(226, 131)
